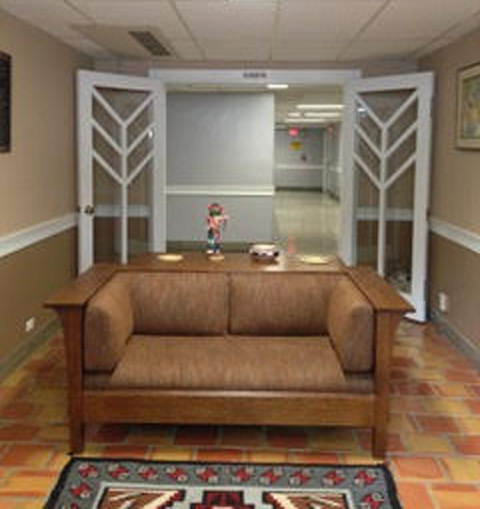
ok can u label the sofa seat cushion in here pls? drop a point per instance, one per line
(230, 363)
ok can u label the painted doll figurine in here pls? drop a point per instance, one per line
(216, 222)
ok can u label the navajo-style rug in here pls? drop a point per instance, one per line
(129, 484)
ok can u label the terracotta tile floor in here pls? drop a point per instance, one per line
(434, 446)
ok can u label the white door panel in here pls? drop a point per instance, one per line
(386, 181)
(121, 153)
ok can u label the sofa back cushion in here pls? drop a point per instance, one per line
(181, 303)
(279, 304)
(108, 325)
(350, 326)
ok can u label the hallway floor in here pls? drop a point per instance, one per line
(306, 222)
(434, 447)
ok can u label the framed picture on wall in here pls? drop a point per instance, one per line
(5, 101)
(468, 107)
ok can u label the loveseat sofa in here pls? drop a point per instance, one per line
(289, 347)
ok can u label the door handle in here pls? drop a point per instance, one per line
(89, 210)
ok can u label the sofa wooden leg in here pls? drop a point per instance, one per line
(379, 442)
(77, 437)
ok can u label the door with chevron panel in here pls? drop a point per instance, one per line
(387, 178)
(121, 167)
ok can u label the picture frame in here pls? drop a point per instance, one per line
(5, 101)
(468, 108)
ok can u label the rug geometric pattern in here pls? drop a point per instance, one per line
(129, 484)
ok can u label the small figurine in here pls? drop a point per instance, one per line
(216, 222)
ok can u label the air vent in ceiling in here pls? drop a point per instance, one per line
(148, 41)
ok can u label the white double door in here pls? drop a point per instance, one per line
(121, 167)
(386, 168)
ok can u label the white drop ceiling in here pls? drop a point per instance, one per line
(249, 31)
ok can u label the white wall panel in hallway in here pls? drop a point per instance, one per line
(218, 142)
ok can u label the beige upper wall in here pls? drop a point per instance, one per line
(455, 173)
(37, 179)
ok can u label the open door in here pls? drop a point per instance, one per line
(387, 149)
(121, 167)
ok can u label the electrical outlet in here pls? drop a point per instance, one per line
(30, 324)
(443, 302)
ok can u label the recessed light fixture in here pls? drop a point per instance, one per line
(294, 114)
(320, 106)
(322, 114)
(277, 86)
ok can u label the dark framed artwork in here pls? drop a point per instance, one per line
(5, 101)
(468, 107)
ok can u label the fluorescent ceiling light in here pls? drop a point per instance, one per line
(294, 114)
(320, 106)
(277, 86)
(322, 114)
(304, 121)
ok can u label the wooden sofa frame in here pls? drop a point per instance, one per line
(89, 405)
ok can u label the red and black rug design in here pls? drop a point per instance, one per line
(128, 484)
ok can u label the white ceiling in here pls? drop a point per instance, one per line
(275, 31)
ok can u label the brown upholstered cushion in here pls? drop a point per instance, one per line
(280, 304)
(108, 325)
(350, 325)
(230, 363)
(189, 304)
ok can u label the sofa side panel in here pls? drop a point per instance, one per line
(351, 327)
(180, 303)
(108, 325)
(280, 304)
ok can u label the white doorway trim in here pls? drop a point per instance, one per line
(254, 76)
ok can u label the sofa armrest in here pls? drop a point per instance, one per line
(108, 325)
(350, 324)
(81, 289)
(381, 295)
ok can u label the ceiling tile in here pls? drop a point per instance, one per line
(425, 18)
(186, 49)
(383, 48)
(88, 47)
(236, 51)
(334, 20)
(53, 16)
(158, 13)
(306, 51)
(220, 20)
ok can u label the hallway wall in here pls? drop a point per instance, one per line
(37, 178)
(303, 167)
(454, 242)
(220, 147)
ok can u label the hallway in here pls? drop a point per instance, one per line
(306, 222)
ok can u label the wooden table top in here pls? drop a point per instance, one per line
(232, 262)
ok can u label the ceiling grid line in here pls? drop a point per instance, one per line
(79, 11)
(185, 25)
(274, 31)
(363, 28)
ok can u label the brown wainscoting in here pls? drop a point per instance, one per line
(27, 277)
(455, 270)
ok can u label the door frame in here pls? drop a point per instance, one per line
(86, 82)
(423, 82)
